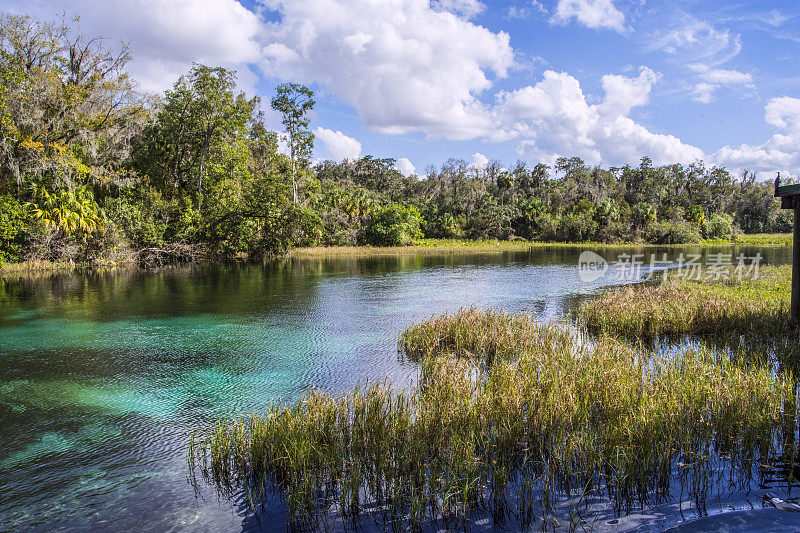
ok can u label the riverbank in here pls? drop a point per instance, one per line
(421, 247)
(454, 246)
(514, 418)
(39, 268)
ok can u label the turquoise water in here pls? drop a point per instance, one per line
(103, 377)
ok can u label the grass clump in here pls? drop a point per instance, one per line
(510, 418)
(420, 247)
(754, 308)
(783, 239)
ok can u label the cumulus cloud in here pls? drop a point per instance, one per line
(479, 161)
(465, 8)
(405, 167)
(553, 118)
(779, 152)
(420, 66)
(165, 35)
(336, 145)
(402, 65)
(595, 14)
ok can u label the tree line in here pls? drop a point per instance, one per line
(92, 170)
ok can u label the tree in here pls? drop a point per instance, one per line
(68, 109)
(201, 116)
(294, 102)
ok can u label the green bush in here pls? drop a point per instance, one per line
(142, 216)
(568, 227)
(393, 225)
(13, 221)
(719, 226)
(672, 232)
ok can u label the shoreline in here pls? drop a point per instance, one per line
(453, 246)
(422, 247)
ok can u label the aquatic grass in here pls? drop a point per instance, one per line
(783, 239)
(467, 246)
(751, 308)
(510, 418)
(420, 247)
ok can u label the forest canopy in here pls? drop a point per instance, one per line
(94, 171)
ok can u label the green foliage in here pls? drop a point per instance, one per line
(71, 211)
(295, 102)
(393, 225)
(719, 226)
(13, 221)
(672, 232)
(68, 110)
(90, 169)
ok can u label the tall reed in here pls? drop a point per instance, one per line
(510, 418)
(754, 308)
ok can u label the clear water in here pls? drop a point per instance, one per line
(103, 377)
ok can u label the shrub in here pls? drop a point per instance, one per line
(719, 226)
(568, 228)
(13, 221)
(393, 225)
(672, 232)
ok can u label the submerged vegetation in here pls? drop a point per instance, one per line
(513, 418)
(93, 171)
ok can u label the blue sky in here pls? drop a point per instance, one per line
(610, 81)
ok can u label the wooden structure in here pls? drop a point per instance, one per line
(790, 199)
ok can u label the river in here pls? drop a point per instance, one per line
(104, 376)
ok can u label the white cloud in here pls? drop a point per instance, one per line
(727, 77)
(623, 93)
(421, 66)
(702, 48)
(521, 12)
(773, 18)
(553, 118)
(400, 64)
(405, 167)
(595, 14)
(479, 161)
(337, 145)
(779, 152)
(712, 79)
(704, 93)
(166, 35)
(691, 40)
(465, 8)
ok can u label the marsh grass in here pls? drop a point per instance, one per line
(36, 269)
(510, 418)
(466, 246)
(33, 267)
(421, 247)
(783, 239)
(751, 314)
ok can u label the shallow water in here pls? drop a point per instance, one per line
(103, 377)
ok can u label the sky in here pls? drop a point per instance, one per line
(420, 81)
